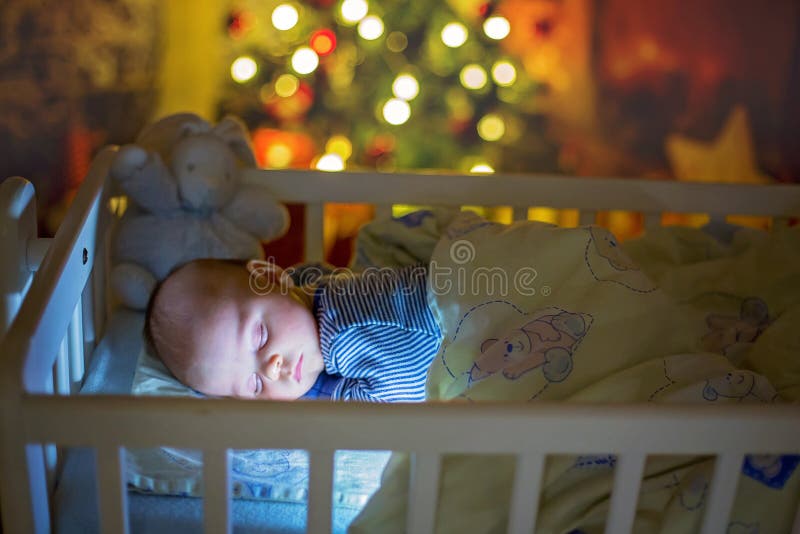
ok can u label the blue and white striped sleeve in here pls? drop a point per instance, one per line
(377, 331)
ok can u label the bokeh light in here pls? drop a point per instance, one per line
(243, 69)
(503, 73)
(482, 168)
(341, 145)
(330, 163)
(405, 86)
(278, 156)
(396, 111)
(459, 104)
(491, 127)
(370, 28)
(354, 10)
(286, 85)
(396, 41)
(305, 60)
(285, 17)
(473, 76)
(496, 27)
(323, 42)
(454, 34)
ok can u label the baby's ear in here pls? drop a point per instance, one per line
(265, 274)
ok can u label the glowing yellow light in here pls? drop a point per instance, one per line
(504, 74)
(396, 41)
(354, 10)
(118, 205)
(473, 76)
(243, 69)
(491, 127)
(339, 144)
(482, 168)
(284, 17)
(496, 27)
(396, 111)
(278, 156)
(548, 215)
(330, 163)
(370, 28)
(305, 60)
(406, 87)
(286, 85)
(454, 34)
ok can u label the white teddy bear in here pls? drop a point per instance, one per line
(187, 201)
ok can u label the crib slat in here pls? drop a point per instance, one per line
(314, 248)
(37, 480)
(424, 495)
(62, 367)
(625, 493)
(587, 217)
(525, 494)
(50, 454)
(383, 211)
(796, 524)
(520, 213)
(75, 337)
(723, 490)
(112, 495)
(652, 220)
(97, 280)
(216, 491)
(320, 491)
(87, 321)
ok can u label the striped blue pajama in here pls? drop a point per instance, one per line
(378, 333)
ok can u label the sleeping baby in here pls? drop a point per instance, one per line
(244, 329)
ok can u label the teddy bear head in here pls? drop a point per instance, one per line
(205, 171)
(206, 164)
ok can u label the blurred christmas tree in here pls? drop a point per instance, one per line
(382, 84)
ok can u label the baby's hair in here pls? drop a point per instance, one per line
(157, 318)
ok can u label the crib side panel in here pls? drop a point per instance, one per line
(590, 197)
(46, 346)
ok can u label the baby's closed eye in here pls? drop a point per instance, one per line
(259, 336)
(256, 384)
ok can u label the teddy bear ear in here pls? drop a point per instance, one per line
(234, 132)
(193, 128)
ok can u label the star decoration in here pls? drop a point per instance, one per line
(730, 158)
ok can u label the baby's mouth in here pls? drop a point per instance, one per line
(298, 369)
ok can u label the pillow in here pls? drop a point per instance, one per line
(270, 474)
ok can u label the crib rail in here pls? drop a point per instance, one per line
(529, 432)
(589, 196)
(64, 312)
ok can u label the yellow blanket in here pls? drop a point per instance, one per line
(534, 312)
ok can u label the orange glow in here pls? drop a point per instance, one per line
(278, 148)
(323, 42)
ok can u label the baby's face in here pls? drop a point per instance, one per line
(249, 345)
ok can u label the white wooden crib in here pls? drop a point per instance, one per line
(57, 291)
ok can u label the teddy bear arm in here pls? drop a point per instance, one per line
(145, 178)
(254, 210)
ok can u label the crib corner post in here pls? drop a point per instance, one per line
(17, 228)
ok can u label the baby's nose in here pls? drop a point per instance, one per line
(274, 367)
(277, 367)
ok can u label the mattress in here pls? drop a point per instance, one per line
(75, 502)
